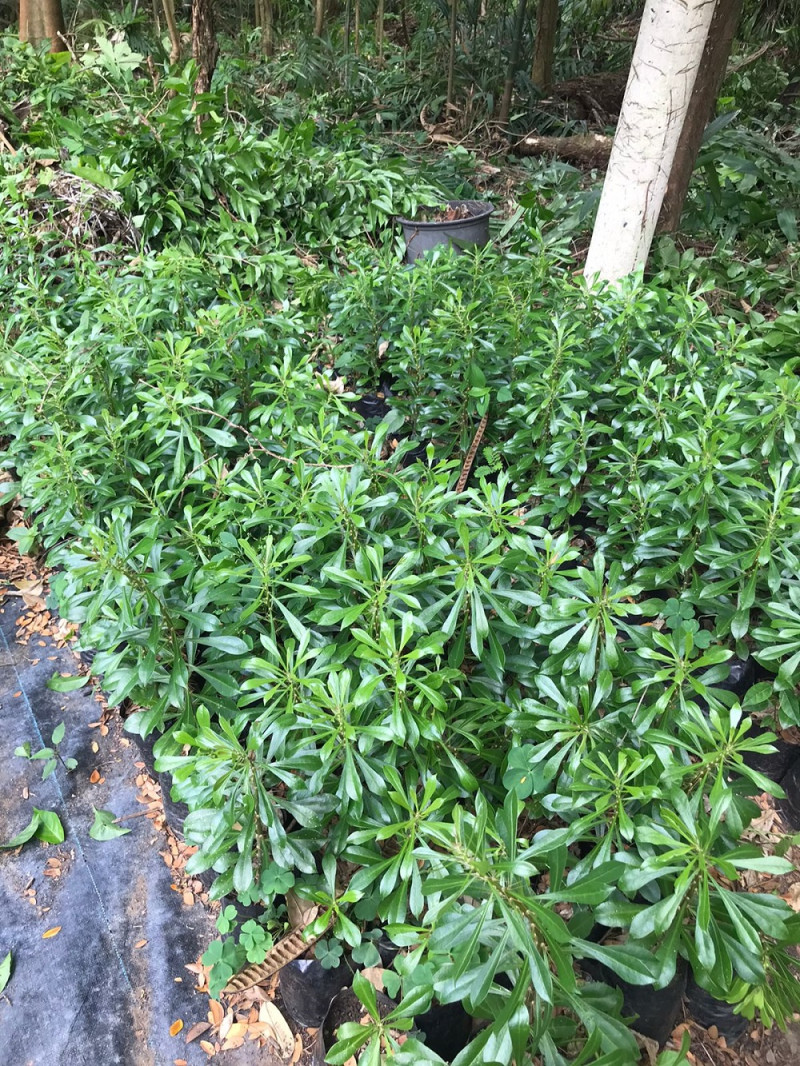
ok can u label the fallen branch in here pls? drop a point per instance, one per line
(591, 149)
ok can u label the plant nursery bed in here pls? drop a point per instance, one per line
(99, 931)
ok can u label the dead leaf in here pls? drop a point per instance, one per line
(298, 1049)
(792, 897)
(188, 898)
(215, 1012)
(232, 1043)
(284, 1037)
(140, 943)
(374, 974)
(300, 911)
(197, 1030)
(179, 1062)
(208, 1048)
(94, 776)
(51, 932)
(176, 1027)
(226, 1025)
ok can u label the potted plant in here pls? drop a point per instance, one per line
(456, 223)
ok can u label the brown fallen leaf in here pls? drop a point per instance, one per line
(232, 1042)
(215, 1012)
(179, 1062)
(94, 777)
(226, 1025)
(51, 932)
(176, 1027)
(197, 1030)
(298, 1049)
(140, 944)
(188, 898)
(374, 974)
(208, 1047)
(284, 1037)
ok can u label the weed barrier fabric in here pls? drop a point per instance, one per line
(86, 995)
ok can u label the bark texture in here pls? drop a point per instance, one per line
(513, 61)
(319, 17)
(451, 59)
(666, 61)
(172, 30)
(204, 44)
(42, 20)
(701, 109)
(545, 44)
(591, 149)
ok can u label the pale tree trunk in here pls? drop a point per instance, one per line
(42, 20)
(357, 32)
(701, 110)
(172, 30)
(545, 45)
(665, 64)
(319, 17)
(204, 44)
(513, 62)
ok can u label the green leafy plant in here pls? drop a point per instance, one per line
(44, 825)
(51, 755)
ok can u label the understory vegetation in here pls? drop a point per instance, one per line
(496, 725)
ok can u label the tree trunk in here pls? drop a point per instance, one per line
(701, 110)
(513, 62)
(666, 60)
(451, 62)
(545, 46)
(265, 15)
(172, 30)
(379, 35)
(357, 31)
(204, 44)
(588, 149)
(319, 17)
(42, 20)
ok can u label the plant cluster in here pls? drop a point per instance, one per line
(495, 725)
(495, 708)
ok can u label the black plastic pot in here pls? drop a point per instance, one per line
(776, 764)
(654, 1011)
(174, 810)
(447, 1029)
(422, 237)
(790, 806)
(370, 406)
(307, 989)
(708, 1011)
(345, 1007)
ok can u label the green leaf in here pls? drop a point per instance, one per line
(44, 825)
(58, 734)
(5, 971)
(230, 645)
(50, 829)
(25, 834)
(57, 683)
(104, 827)
(632, 962)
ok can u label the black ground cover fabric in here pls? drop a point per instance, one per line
(86, 996)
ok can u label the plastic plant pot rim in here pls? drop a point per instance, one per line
(479, 210)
